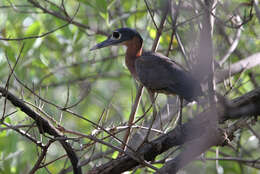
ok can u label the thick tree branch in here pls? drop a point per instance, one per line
(192, 150)
(191, 130)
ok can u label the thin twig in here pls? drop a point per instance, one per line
(150, 12)
(132, 115)
(232, 47)
(44, 34)
(41, 157)
(10, 75)
(57, 15)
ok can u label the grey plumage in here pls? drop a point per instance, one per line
(158, 73)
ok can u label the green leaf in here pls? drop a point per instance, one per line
(101, 5)
(32, 30)
(115, 154)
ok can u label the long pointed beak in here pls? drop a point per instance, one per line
(105, 43)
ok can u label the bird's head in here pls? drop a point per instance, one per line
(119, 36)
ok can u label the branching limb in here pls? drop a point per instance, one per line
(44, 126)
(195, 128)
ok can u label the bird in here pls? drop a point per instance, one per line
(156, 72)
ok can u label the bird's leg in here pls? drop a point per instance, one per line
(152, 98)
(132, 117)
(180, 116)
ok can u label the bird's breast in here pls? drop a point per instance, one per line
(130, 63)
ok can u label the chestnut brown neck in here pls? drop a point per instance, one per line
(134, 50)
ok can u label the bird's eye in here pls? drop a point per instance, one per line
(116, 35)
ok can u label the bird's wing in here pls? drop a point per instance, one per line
(160, 74)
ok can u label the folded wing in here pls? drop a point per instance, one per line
(160, 74)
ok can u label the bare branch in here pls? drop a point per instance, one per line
(193, 129)
(240, 66)
(57, 15)
(44, 126)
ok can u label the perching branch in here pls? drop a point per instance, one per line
(192, 130)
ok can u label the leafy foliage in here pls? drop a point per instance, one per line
(63, 75)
